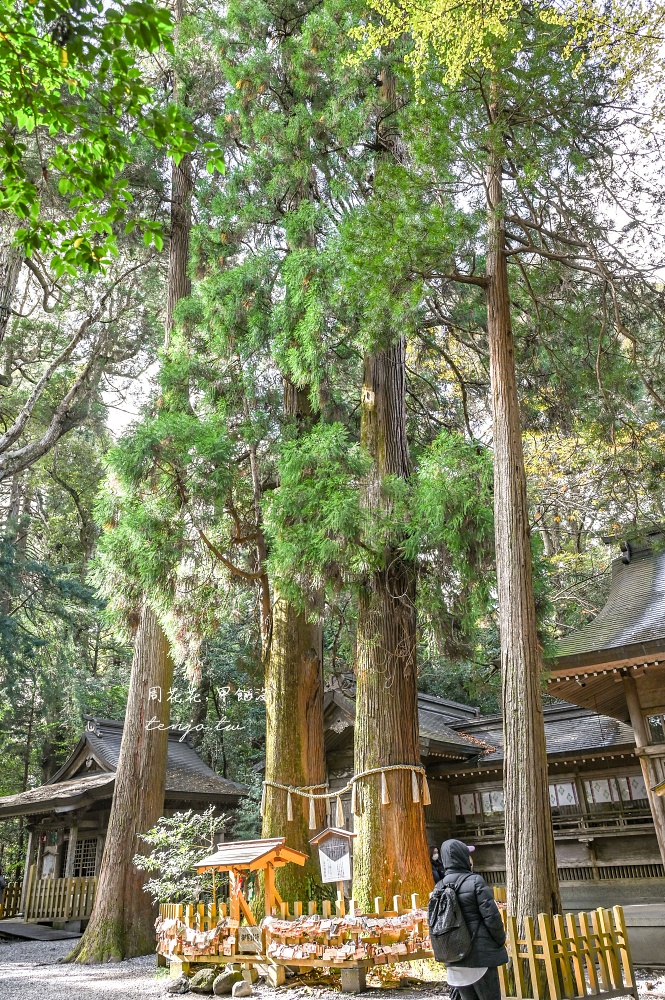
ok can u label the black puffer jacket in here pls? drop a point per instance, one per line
(478, 907)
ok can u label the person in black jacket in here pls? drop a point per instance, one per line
(476, 976)
(437, 865)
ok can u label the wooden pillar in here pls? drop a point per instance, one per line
(234, 902)
(71, 850)
(269, 889)
(59, 852)
(100, 852)
(28, 864)
(648, 763)
(40, 854)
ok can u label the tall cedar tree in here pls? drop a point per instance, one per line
(285, 120)
(533, 195)
(532, 887)
(122, 921)
(390, 852)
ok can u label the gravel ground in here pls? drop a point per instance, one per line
(29, 970)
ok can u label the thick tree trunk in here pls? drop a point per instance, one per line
(532, 879)
(294, 738)
(180, 285)
(295, 752)
(122, 922)
(390, 851)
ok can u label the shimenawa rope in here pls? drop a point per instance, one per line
(308, 792)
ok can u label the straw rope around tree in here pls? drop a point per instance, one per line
(309, 792)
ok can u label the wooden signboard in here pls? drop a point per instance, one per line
(335, 859)
(334, 854)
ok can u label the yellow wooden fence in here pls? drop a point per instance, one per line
(572, 957)
(60, 898)
(584, 955)
(11, 900)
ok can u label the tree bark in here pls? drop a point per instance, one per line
(122, 921)
(180, 285)
(390, 851)
(295, 753)
(11, 259)
(532, 878)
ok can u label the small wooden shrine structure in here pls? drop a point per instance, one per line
(616, 664)
(243, 856)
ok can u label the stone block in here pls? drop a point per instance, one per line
(354, 980)
(242, 989)
(224, 983)
(276, 976)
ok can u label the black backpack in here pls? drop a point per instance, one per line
(448, 931)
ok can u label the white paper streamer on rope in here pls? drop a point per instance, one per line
(354, 799)
(426, 797)
(309, 791)
(385, 798)
(415, 788)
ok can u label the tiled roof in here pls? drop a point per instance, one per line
(633, 614)
(432, 727)
(452, 711)
(435, 718)
(65, 794)
(569, 731)
(185, 771)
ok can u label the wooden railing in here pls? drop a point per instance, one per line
(11, 900)
(60, 898)
(584, 955)
(586, 822)
(581, 955)
(204, 934)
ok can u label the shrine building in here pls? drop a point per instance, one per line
(615, 665)
(605, 735)
(67, 817)
(604, 831)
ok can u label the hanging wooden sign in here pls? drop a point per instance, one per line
(334, 854)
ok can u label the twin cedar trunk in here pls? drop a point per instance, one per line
(532, 880)
(295, 753)
(390, 850)
(122, 922)
(180, 285)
